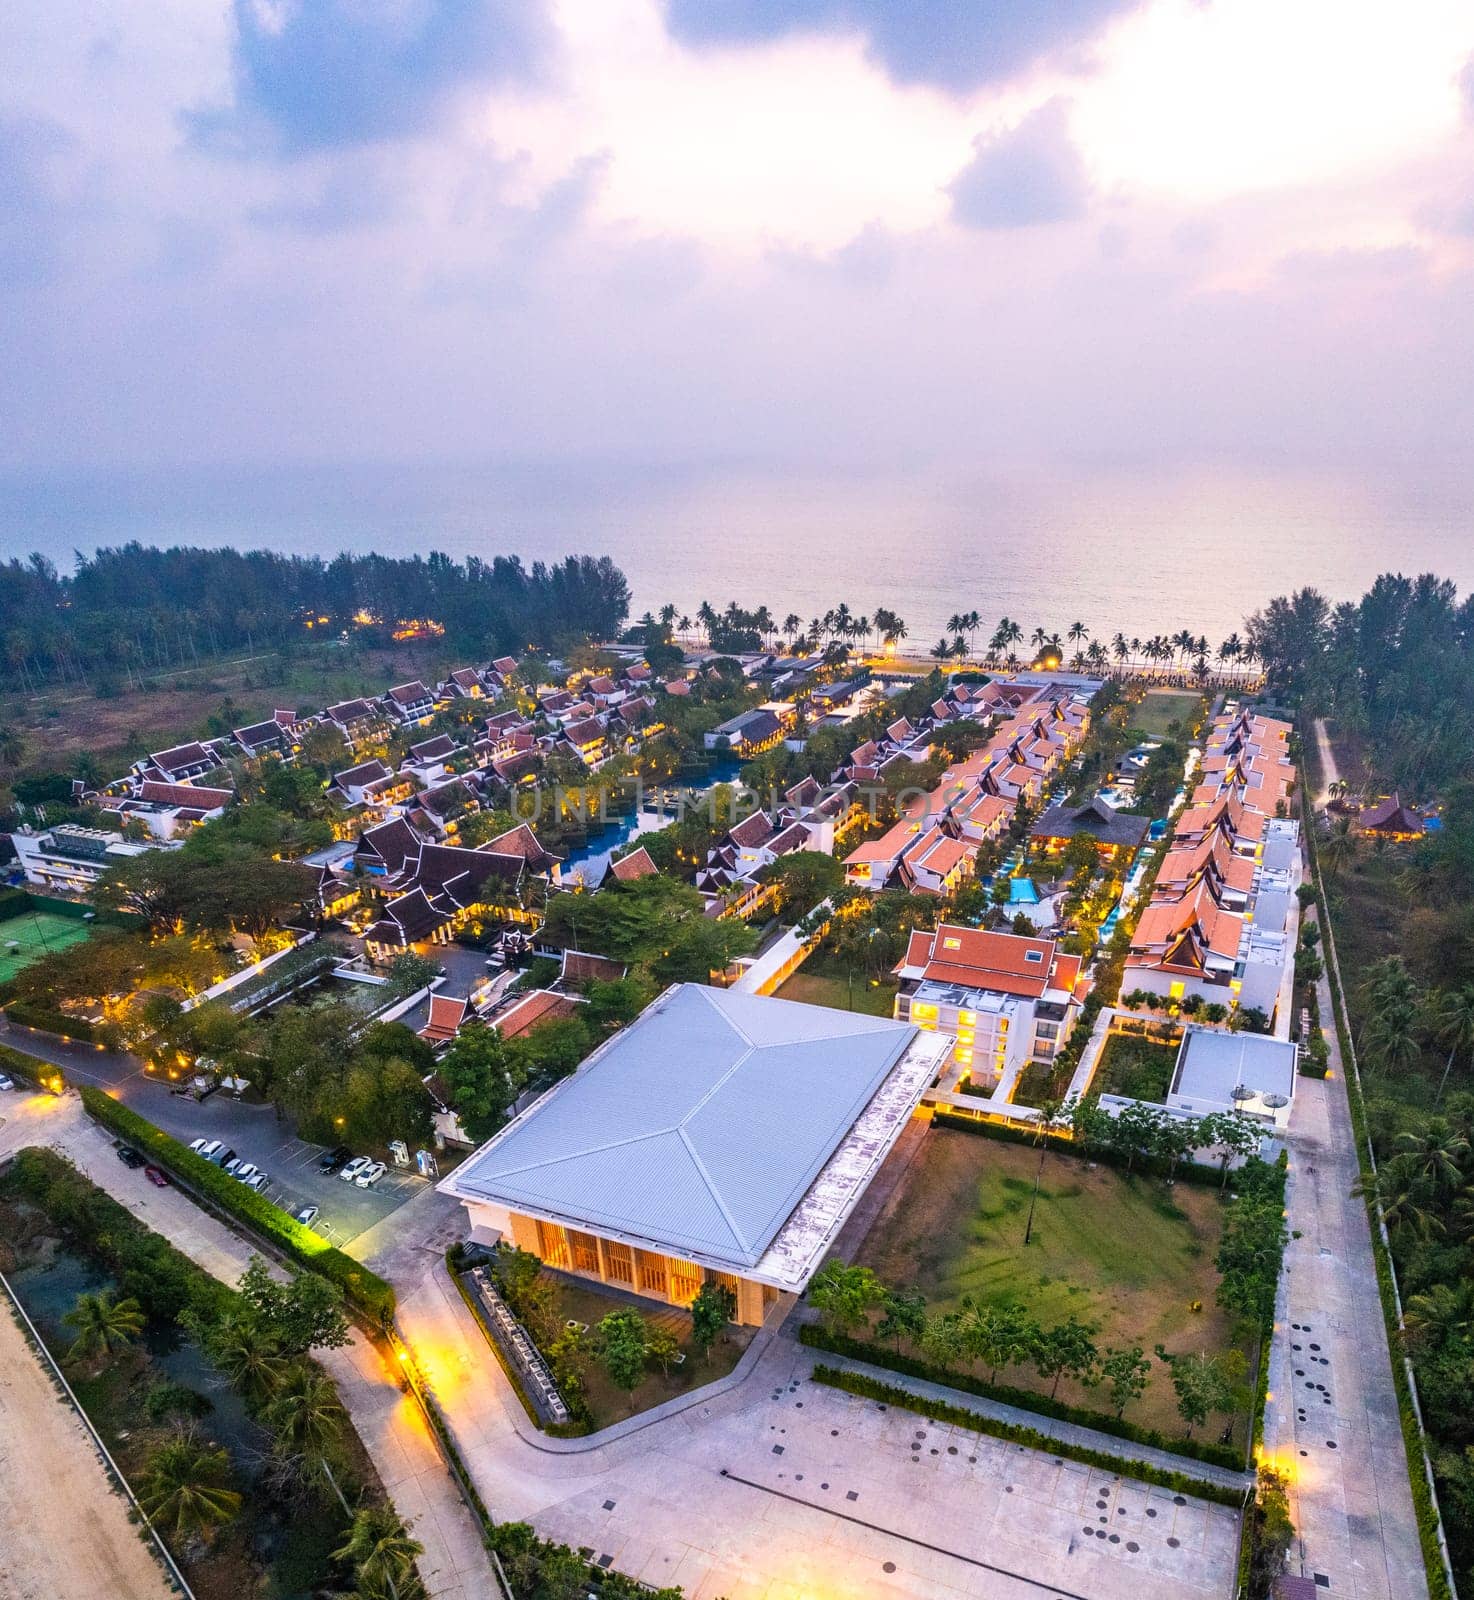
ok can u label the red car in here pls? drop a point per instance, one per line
(156, 1178)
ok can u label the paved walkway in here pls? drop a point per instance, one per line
(455, 1565)
(1329, 772)
(1332, 1419)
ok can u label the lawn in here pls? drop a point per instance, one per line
(839, 993)
(582, 1303)
(1126, 1252)
(37, 933)
(1135, 1066)
(1160, 708)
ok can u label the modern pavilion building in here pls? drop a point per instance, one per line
(721, 1136)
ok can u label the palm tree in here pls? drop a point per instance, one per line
(941, 650)
(1403, 1202)
(1078, 633)
(1437, 1317)
(1040, 637)
(305, 1414)
(1338, 848)
(1452, 1016)
(248, 1358)
(1231, 648)
(186, 1488)
(103, 1325)
(707, 617)
(1390, 1040)
(379, 1547)
(1119, 648)
(1435, 1155)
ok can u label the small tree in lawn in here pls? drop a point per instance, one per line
(713, 1308)
(999, 1336)
(661, 1347)
(1204, 1383)
(1126, 1373)
(1067, 1348)
(845, 1296)
(624, 1343)
(943, 1340)
(903, 1316)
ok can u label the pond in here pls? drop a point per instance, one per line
(293, 1550)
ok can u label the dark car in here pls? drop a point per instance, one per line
(332, 1160)
(156, 1178)
(129, 1156)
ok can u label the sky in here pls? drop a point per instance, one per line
(840, 232)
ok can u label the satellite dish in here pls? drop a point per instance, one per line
(1241, 1091)
(1275, 1101)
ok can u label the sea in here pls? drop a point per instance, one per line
(1140, 551)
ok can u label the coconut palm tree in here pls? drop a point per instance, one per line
(1390, 1039)
(379, 1547)
(104, 1325)
(1120, 649)
(941, 650)
(1078, 633)
(185, 1488)
(792, 627)
(248, 1358)
(1435, 1156)
(1338, 849)
(1404, 1202)
(305, 1414)
(1451, 1014)
(1040, 637)
(1231, 648)
(1437, 1317)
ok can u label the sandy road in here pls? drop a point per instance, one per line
(64, 1530)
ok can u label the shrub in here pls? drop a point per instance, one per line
(859, 1383)
(839, 1344)
(365, 1291)
(46, 1019)
(16, 1064)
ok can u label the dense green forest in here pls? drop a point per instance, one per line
(126, 611)
(1393, 674)
(1395, 668)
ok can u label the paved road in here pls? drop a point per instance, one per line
(1329, 772)
(1332, 1419)
(250, 1128)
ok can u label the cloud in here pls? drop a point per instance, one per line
(315, 75)
(1030, 174)
(957, 45)
(33, 207)
(1466, 83)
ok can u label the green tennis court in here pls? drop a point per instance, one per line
(36, 933)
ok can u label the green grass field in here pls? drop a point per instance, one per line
(1160, 708)
(37, 933)
(1135, 1066)
(1122, 1251)
(837, 992)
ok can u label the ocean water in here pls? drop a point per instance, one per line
(1144, 552)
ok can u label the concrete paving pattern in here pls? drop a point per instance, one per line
(1332, 1419)
(783, 1488)
(64, 1527)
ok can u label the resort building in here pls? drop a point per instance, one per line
(1002, 1000)
(1247, 1072)
(1391, 820)
(721, 1136)
(1118, 835)
(71, 858)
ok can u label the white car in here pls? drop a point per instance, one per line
(307, 1216)
(244, 1171)
(370, 1175)
(205, 1147)
(6, 1083)
(258, 1182)
(351, 1169)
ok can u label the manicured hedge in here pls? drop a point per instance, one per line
(839, 1344)
(16, 1064)
(859, 1383)
(13, 903)
(45, 1019)
(365, 1291)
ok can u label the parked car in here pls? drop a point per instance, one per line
(156, 1178)
(370, 1175)
(6, 1083)
(307, 1215)
(129, 1156)
(351, 1169)
(332, 1160)
(222, 1158)
(231, 1166)
(258, 1182)
(245, 1171)
(204, 1147)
